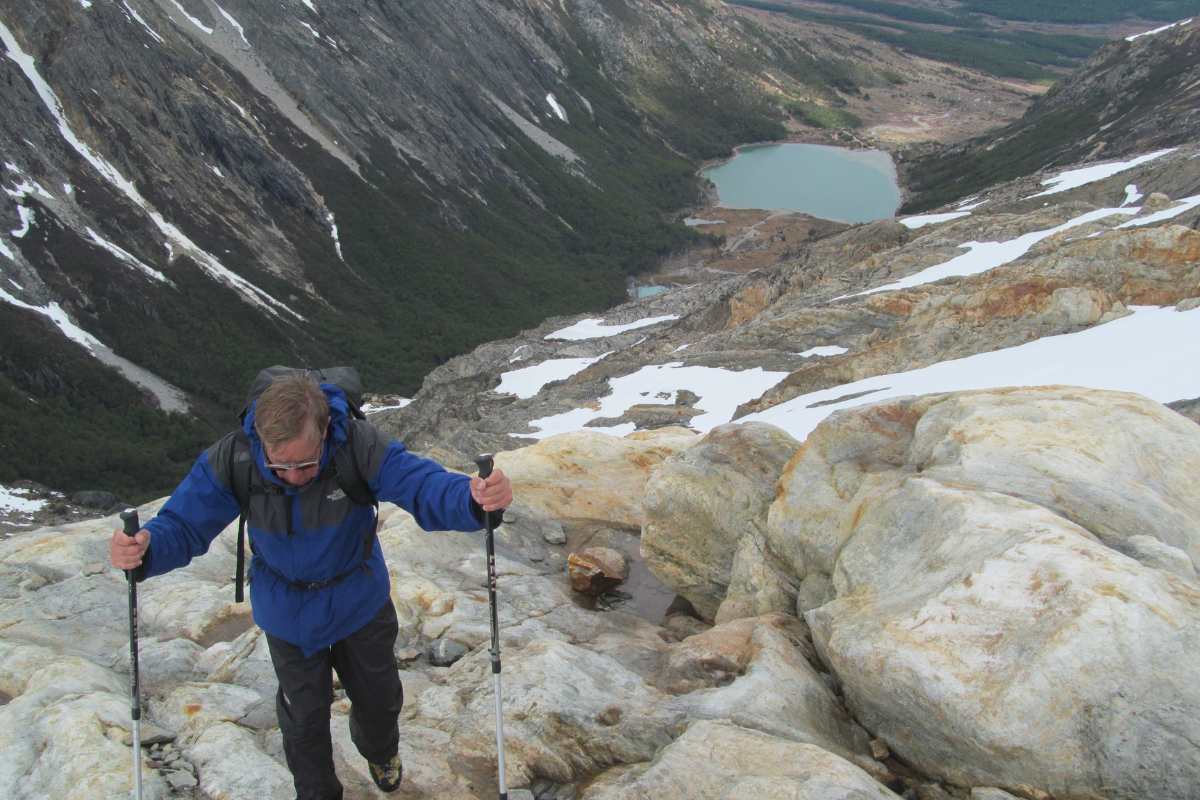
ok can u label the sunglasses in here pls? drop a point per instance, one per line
(294, 466)
(299, 465)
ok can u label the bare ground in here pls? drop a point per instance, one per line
(937, 104)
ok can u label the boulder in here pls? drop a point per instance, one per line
(591, 476)
(595, 570)
(1008, 598)
(706, 513)
(569, 711)
(66, 731)
(722, 761)
(756, 673)
(444, 652)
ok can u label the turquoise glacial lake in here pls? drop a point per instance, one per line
(828, 182)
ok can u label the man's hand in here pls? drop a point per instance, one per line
(492, 493)
(125, 551)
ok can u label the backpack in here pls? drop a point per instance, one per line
(343, 465)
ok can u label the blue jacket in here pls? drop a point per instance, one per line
(312, 533)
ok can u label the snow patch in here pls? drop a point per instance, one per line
(207, 262)
(55, 314)
(1153, 352)
(169, 397)
(982, 256)
(135, 16)
(126, 257)
(27, 187)
(931, 219)
(823, 352)
(11, 500)
(1132, 195)
(528, 381)
(596, 329)
(27, 219)
(559, 111)
(371, 408)
(1158, 30)
(720, 391)
(1185, 204)
(586, 104)
(192, 19)
(1074, 178)
(333, 231)
(229, 18)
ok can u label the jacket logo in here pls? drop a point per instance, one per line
(336, 495)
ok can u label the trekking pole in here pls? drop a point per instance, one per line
(130, 517)
(485, 468)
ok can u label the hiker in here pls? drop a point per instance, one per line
(320, 589)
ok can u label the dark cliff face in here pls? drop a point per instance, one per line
(205, 188)
(1131, 97)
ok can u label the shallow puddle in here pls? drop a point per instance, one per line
(641, 593)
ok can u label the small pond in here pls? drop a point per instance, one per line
(828, 182)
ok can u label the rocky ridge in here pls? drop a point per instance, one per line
(973, 595)
(984, 594)
(194, 190)
(1060, 263)
(1049, 533)
(1132, 96)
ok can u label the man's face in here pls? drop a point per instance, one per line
(296, 462)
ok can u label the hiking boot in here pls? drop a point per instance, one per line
(387, 775)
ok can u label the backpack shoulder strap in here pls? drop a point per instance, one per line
(239, 482)
(241, 469)
(351, 481)
(349, 476)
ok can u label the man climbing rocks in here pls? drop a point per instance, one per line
(320, 589)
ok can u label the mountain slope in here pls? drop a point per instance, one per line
(197, 190)
(1086, 276)
(1131, 97)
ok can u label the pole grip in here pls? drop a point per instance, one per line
(485, 463)
(130, 519)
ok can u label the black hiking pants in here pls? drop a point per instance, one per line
(367, 669)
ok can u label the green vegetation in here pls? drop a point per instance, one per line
(938, 181)
(1093, 11)
(1008, 54)
(1015, 54)
(1046, 136)
(823, 116)
(907, 13)
(424, 279)
(67, 421)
